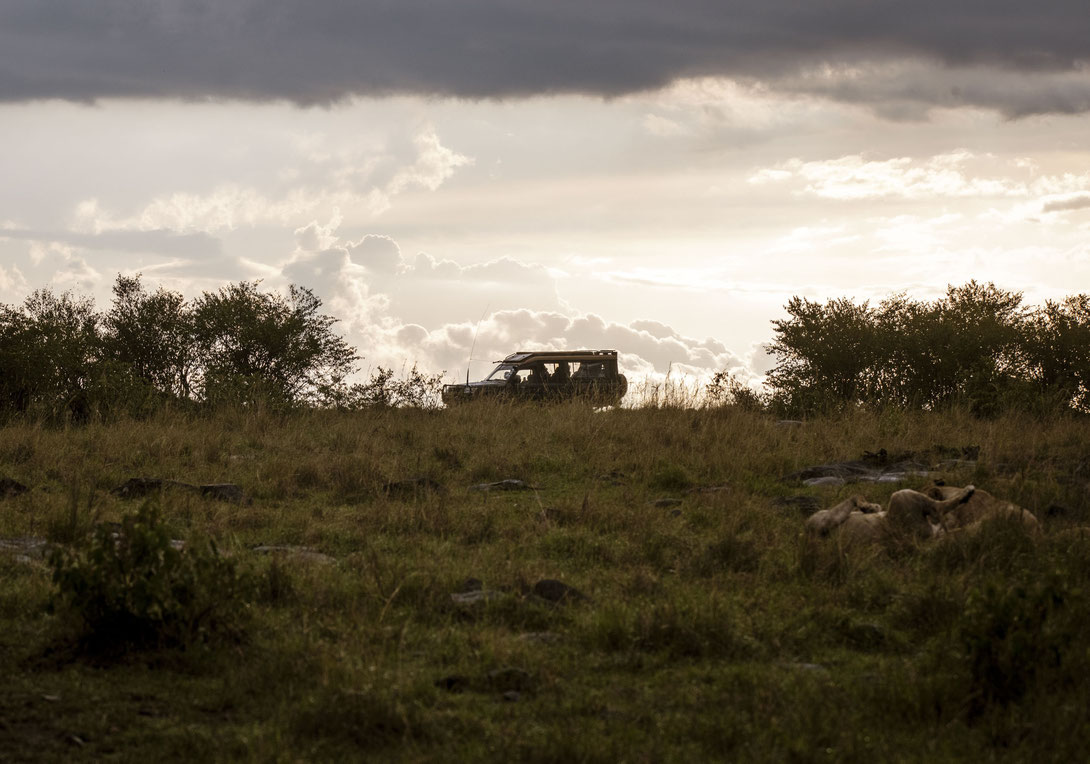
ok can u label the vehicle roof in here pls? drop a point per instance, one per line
(559, 355)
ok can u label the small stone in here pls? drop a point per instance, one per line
(551, 590)
(675, 513)
(10, 488)
(663, 503)
(223, 492)
(829, 480)
(805, 503)
(27, 549)
(138, 487)
(613, 477)
(512, 696)
(476, 597)
(503, 485)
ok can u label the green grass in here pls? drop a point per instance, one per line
(713, 628)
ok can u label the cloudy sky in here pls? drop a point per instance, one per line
(653, 177)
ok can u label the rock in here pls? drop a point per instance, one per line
(139, 487)
(453, 683)
(297, 552)
(613, 477)
(816, 667)
(27, 550)
(512, 696)
(10, 488)
(503, 485)
(412, 487)
(476, 597)
(551, 590)
(507, 679)
(828, 480)
(223, 492)
(807, 504)
(663, 503)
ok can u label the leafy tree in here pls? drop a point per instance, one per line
(59, 359)
(261, 347)
(827, 354)
(17, 375)
(1058, 350)
(982, 361)
(970, 347)
(151, 337)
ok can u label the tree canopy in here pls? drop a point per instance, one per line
(238, 345)
(978, 346)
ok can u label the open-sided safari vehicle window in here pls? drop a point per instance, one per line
(548, 375)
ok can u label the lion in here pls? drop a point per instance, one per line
(967, 517)
(909, 514)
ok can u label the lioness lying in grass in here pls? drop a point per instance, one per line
(910, 513)
(967, 517)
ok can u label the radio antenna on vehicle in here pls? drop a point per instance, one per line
(474, 345)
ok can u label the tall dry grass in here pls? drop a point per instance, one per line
(713, 626)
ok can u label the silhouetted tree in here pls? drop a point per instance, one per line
(60, 353)
(972, 347)
(260, 347)
(150, 336)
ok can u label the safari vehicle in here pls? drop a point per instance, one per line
(558, 375)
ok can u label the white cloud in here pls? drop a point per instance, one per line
(435, 163)
(953, 174)
(229, 205)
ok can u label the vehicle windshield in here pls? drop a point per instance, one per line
(501, 372)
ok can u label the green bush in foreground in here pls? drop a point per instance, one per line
(131, 588)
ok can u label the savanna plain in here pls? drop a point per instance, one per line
(648, 593)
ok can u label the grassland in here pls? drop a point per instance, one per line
(711, 629)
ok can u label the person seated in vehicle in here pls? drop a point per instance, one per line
(537, 375)
(562, 374)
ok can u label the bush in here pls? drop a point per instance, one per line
(132, 588)
(384, 390)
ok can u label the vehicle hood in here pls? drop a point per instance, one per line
(472, 386)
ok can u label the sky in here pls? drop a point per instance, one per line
(460, 180)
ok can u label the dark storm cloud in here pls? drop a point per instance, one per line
(319, 51)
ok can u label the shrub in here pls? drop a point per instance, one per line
(132, 588)
(384, 390)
